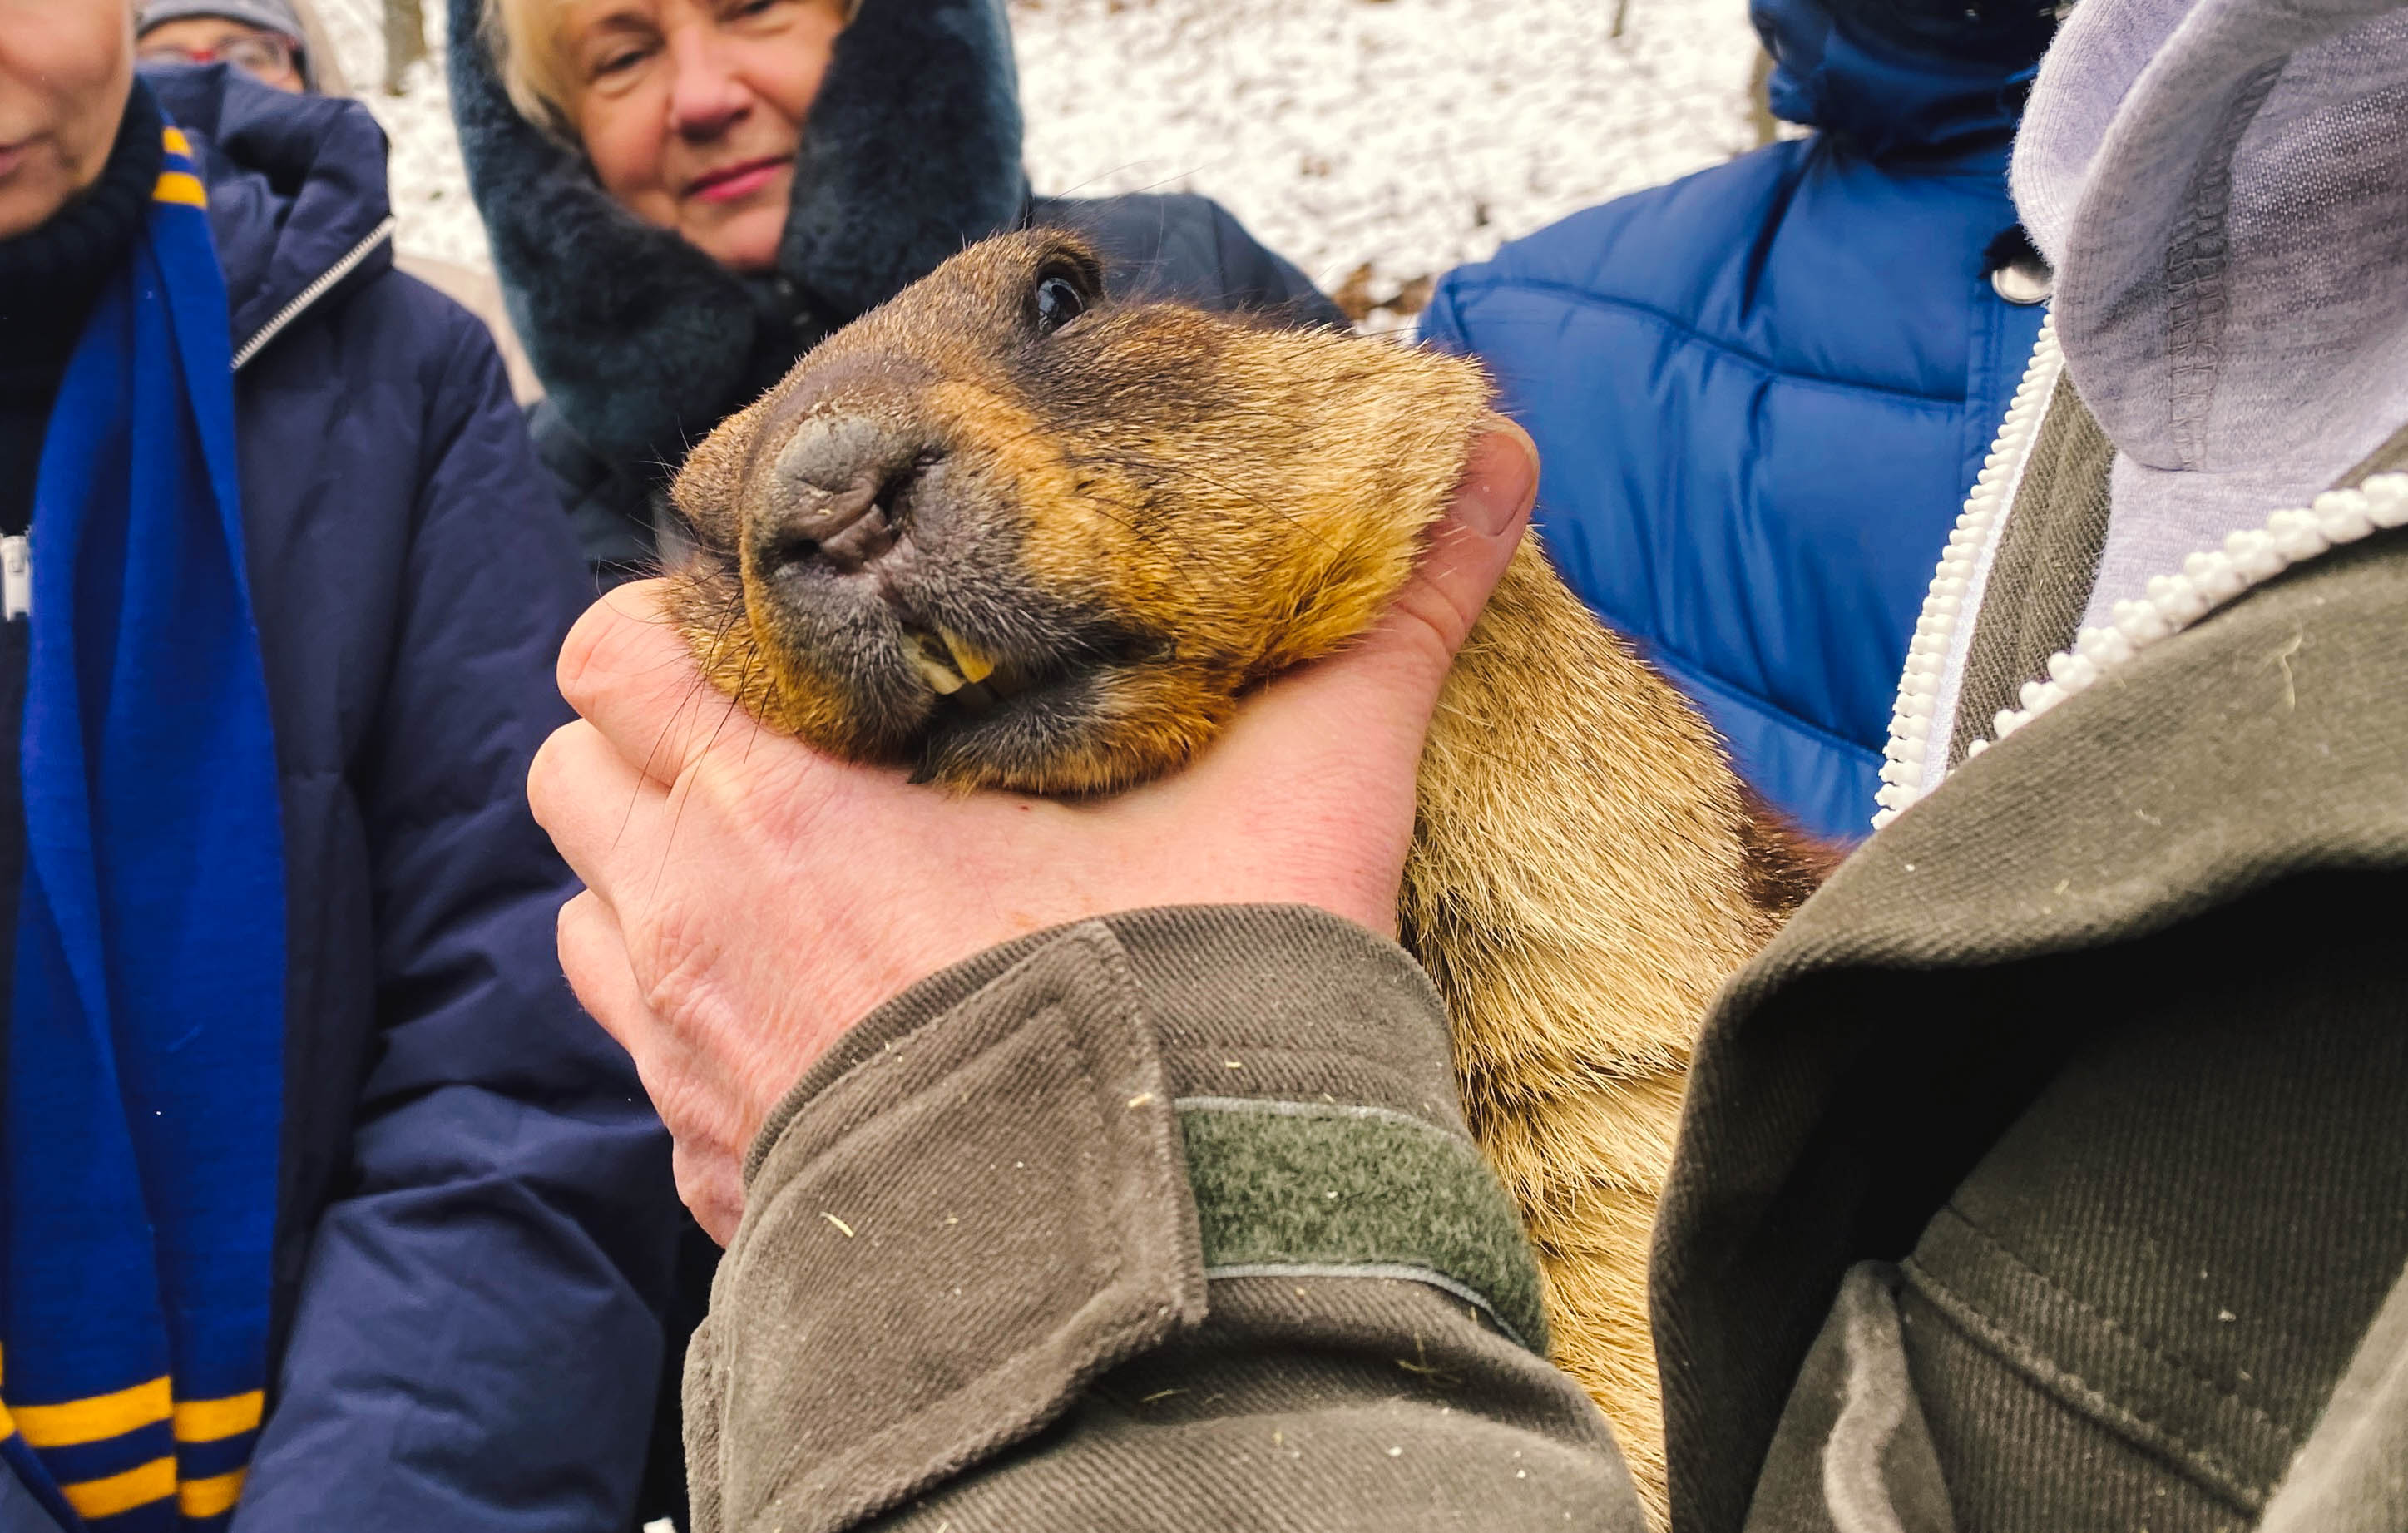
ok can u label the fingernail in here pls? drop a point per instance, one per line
(1491, 503)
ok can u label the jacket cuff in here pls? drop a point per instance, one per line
(1023, 1172)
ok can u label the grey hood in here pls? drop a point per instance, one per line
(2222, 186)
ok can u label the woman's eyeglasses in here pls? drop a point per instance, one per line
(260, 53)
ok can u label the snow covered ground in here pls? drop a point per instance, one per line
(1404, 136)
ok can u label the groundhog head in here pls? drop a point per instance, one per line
(1017, 535)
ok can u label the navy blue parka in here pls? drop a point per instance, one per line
(1761, 394)
(477, 1219)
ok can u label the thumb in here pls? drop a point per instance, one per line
(1469, 550)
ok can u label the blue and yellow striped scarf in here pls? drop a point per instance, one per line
(145, 1054)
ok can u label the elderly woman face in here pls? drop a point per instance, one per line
(64, 72)
(692, 110)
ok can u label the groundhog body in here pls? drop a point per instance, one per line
(1018, 536)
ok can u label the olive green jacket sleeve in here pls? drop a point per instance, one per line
(1168, 1219)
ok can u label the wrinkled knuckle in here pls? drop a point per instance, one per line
(608, 641)
(686, 1110)
(770, 798)
(674, 955)
(568, 928)
(581, 656)
(1429, 625)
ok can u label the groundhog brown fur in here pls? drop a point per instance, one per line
(1020, 536)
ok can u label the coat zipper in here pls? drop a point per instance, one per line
(315, 291)
(17, 548)
(15, 577)
(1913, 762)
(2209, 578)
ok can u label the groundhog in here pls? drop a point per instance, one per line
(1020, 536)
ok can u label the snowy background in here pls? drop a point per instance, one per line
(1373, 143)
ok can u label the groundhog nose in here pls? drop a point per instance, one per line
(839, 494)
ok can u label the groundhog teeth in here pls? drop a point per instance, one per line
(974, 662)
(926, 657)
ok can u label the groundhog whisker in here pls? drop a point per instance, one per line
(1079, 187)
(693, 698)
(677, 812)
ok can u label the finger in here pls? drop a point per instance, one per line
(1469, 550)
(711, 1187)
(629, 671)
(594, 955)
(601, 812)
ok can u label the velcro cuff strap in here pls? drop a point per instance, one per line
(1312, 1189)
(859, 1347)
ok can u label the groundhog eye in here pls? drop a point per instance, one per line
(1058, 302)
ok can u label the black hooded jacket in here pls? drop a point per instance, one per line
(913, 151)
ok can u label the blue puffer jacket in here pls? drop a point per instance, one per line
(477, 1219)
(1762, 393)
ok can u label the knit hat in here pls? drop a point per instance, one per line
(275, 15)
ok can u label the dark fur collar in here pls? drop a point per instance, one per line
(644, 342)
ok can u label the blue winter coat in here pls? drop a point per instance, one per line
(1762, 393)
(477, 1217)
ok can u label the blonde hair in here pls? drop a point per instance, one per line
(524, 38)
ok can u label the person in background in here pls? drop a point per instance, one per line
(685, 196)
(322, 1205)
(280, 43)
(1763, 392)
(263, 39)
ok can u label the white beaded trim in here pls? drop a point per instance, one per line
(1955, 591)
(2209, 578)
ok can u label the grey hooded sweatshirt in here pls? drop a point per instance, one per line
(2046, 1172)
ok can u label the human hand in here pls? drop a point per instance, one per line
(748, 898)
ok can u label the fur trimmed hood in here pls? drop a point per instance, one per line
(644, 342)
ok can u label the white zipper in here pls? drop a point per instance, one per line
(1913, 763)
(15, 577)
(2209, 578)
(315, 291)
